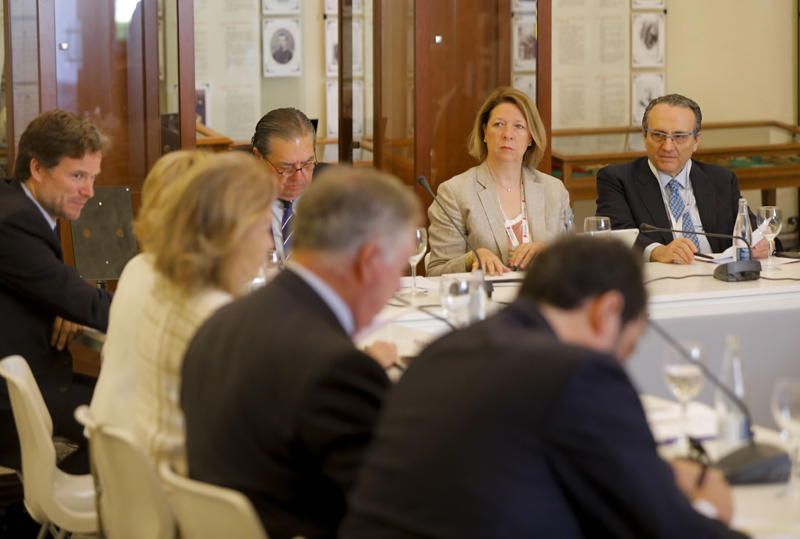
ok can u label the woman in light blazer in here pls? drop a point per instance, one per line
(507, 208)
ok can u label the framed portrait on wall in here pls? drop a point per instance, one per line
(282, 47)
(648, 4)
(523, 6)
(280, 7)
(524, 45)
(647, 40)
(644, 88)
(525, 82)
(331, 47)
(331, 108)
(358, 48)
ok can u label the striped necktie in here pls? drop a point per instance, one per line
(286, 227)
(678, 209)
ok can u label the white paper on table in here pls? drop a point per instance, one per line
(667, 423)
(727, 255)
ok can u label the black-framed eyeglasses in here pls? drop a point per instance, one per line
(286, 170)
(678, 137)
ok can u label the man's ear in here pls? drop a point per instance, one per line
(605, 316)
(367, 262)
(36, 170)
(257, 153)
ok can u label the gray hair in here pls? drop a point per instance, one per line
(283, 123)
(346, 207)
(675, 100)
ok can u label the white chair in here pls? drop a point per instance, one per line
(131, 501)
(206, 511)
(52, 497)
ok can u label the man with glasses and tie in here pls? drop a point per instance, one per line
(284, 139)
(668, 189)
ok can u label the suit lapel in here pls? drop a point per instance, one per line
(650, 191)
(491, 209)
(534, 200)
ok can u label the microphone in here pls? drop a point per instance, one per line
(738, 270)
(753, 463)
(487, 285)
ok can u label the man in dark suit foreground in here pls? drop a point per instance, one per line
(668, 189)
(278, 402)
(42, 300)
(526, 424)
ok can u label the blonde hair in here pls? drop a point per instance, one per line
(206, 213)
(166, 170)
(506, 94)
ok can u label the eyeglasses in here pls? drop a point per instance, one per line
(286, 170)
(679, 137)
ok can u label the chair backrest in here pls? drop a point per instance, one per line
(35, 431)
(207, 511)
(131, 500)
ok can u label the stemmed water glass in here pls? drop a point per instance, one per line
(773, 216)
(596, 225)
(685, 380)
(421, 241)
(786, 412)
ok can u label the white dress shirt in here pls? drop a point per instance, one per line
(689, 202)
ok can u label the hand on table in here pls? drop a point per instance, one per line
(64, 332)
(678, 251)
(761, 249)
(385, 353)
(492, 265)
(523, 254)
(713, 488)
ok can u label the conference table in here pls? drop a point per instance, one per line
(689, 304)
(686, 301)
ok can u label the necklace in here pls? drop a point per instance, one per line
(497, 182)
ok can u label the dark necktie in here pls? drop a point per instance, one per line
(286, 227)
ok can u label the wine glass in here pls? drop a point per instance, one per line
(685, 380)
(566, 220)
(786, 412)
(596, 225)
(421, 240)
(773, 216)
(268, 270)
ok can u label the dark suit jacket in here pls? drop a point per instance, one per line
(280, 405)
(35, 287)
(500, 431)
(629, 194)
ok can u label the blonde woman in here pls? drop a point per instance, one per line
(217, 229)
(114, 393)
(506, 207)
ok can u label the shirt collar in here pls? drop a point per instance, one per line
(47, 216)
(333, 300)
(663, 178)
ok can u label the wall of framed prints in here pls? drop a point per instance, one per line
(524, 40)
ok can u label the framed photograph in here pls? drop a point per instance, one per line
(332, 47)
(331, 108)
(644, 88)
(648, 4)
(358, 109)
(280, 7)
(523, 6)
(525, 82)
(523, 30)
(331, 7)
(358, 48)
(282, 48)
(202, 102)
(647, 39)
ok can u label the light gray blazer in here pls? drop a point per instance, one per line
(471, 200)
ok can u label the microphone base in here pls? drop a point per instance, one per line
(740, 270)
(755, 463)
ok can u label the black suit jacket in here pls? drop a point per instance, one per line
(501, 431)
(35, 287)
(630, 195)
(280, 405)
